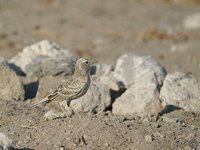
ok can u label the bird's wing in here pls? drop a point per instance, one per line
(56, 94)
(66, 89)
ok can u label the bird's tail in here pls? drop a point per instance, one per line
(44, 101)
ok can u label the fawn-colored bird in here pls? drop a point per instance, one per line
(73, 88)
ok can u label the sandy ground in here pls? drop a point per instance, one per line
(103, 30)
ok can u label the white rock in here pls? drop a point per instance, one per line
(179, 47)
(102, 74)
(129, 66)
(148, 138)
(5, 142)
(38, 55)
(143, 77)
(101, 69)
(182, 91)
(52, 114)
(2, 60)
(97, 99)
(141, 99)
(192, 22)
(115, 85)
(51, 67)
(10, 85)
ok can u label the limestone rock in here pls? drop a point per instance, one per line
(102, 74)
(49, 66)
(43, 58)
(5, 142)
(182, 91)
(101, 69)
(143, 77)
(192, 22)
(10, 85)
(141, 98)
(2, 60)
(129, 66)
(97, 99)
(52, 114)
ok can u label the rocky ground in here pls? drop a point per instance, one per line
(136, 101)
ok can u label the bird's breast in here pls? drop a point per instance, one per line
(83, 88)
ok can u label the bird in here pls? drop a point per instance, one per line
(72, 88)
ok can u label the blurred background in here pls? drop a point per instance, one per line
(168, 30)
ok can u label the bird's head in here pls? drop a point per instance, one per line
(84, 64)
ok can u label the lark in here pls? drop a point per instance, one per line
(73, 88)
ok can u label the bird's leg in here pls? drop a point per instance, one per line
(68, 104)
(65, 108)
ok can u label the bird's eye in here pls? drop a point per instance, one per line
(87, 62)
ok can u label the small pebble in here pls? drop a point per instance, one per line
(148, 138)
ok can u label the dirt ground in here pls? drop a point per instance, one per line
(103, 30)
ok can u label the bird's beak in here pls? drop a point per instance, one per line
(93, 61)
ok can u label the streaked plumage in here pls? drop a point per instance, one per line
(73, 88)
